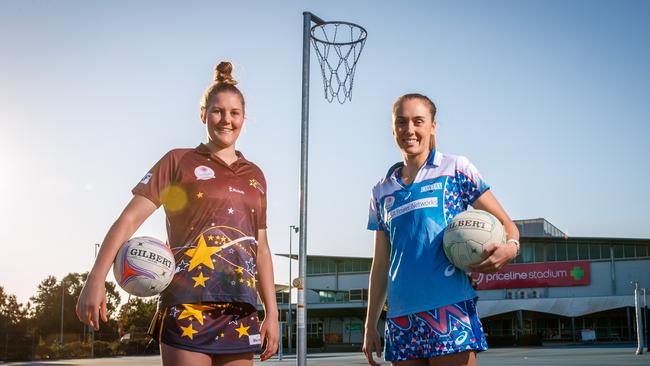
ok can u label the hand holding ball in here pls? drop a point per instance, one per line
(144, 266)
(468, 233)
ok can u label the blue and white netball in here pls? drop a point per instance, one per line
(144, 266)
(468, 233)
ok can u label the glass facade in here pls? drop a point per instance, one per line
(323, 266)
(553, 250)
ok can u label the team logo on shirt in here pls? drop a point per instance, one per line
(146, 178)
(256, 184)
(202, 172)
(231, 189)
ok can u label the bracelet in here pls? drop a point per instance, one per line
(516, 242)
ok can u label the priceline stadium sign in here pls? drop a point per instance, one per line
(553, 274)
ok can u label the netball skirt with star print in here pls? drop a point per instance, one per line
(210, 328)
(448, 329)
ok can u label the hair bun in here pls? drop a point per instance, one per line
(223, 73)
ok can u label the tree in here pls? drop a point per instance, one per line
(135, 316)
(14, 326)
(46, 312)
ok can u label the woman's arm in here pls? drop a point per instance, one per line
(266, 289)
(92, 300)
(376, 295)
(498, 255)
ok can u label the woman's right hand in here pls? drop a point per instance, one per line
(372, 343)
(92, 302)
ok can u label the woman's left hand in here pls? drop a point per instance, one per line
(497, 256)
(269, 331)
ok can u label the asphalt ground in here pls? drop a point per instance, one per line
(580, 355)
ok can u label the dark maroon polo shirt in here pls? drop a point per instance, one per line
(214, 212)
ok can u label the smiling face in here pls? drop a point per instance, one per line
(223, 117)
(413, 128)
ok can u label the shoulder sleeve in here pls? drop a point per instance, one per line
(470, 180)
(261, 221)
(374, 219)
(157, 179)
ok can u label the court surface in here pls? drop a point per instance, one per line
(592, 355)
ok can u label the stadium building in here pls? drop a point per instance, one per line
(558, 289)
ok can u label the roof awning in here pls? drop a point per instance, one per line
(568, 306)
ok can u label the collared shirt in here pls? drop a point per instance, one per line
(214, 212)
(414, 216)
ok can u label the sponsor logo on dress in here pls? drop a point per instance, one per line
(202, 172)
(254, 339)
(450, 270)
(231, 189)
(412, 206)
(146, 178)
(461, 338)
(431, 187)
(256, 184)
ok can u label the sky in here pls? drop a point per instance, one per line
(547, 98)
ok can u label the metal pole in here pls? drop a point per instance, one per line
(612, 269)
(645, 322)
(301, 356)
(289, 315)
(280, 344)
(92, 329)
(639, 326)
(62, 304)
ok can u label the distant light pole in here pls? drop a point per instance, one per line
(92, 329)
(289, 325)
(645, 320)
(639, 325)
(62, 305)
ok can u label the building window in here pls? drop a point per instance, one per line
(572, 251)
(327, 296)
(358, 294)
(321, 267)
(641, 250)
(605, 251)
(561, 251)
(333, 296)
(618, 251)
(282, 297)
(526, 255)
(594, 251)
(539, 252)
(315, 330)
(550, 252)
(583, 251)
(355, 266)
(629, 251)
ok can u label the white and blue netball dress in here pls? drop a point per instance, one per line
(431, 304)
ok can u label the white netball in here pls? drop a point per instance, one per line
(144, 266)
(467, 234)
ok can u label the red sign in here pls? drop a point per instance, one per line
(550, 274)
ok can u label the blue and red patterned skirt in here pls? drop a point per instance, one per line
(448, 329)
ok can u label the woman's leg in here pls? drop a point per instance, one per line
(178, 357)
(238, 359)
(467, 358)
